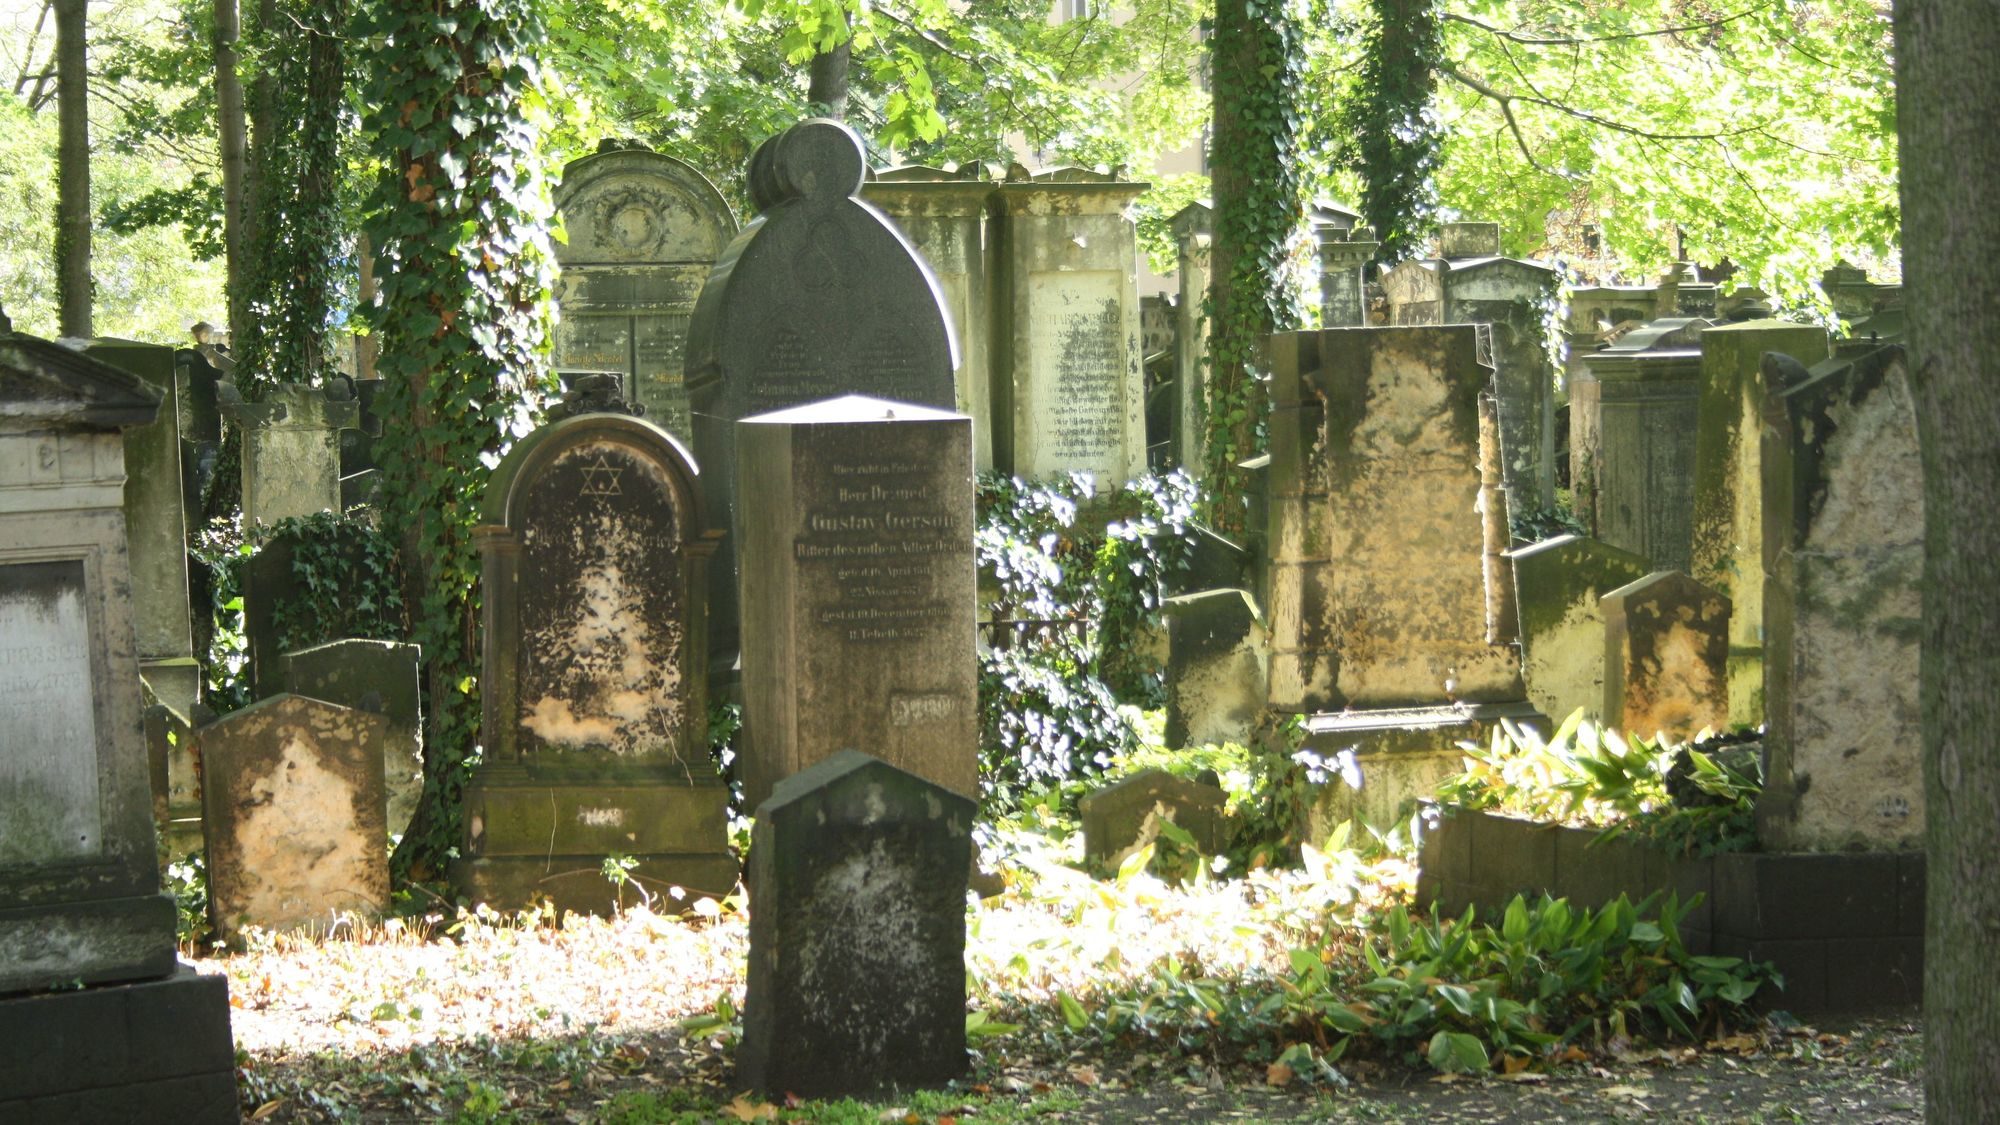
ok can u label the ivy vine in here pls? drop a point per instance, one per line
(1390, 122)
(460, 220)
(1258, 58)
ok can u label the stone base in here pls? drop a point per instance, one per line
(576, 883)
(1402, 755)
(94, 942)
(153, 1051)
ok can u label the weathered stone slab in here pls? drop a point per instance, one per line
(1469, 240)
(1194, 232)
(943, 214)
(644, 230)
(1377, 544)
(1666, 657)
(1518, 298)
(79, 878)
(293, 807)
(1376, 764)
(595, 544)
(170, 755)
(1216, 652)
(858, 586)
(1843, 598)
(857, 933)
(291, 448)
(1639, 483)
(1728, 530)
(1557, 585)
(1125, 816)
(1068, 359)
(379, 677)
(1344, 255)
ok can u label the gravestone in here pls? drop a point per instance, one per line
(857, 933)
(943, 215)
(1666, 657)
(381, 678)
(170, 754)
(292, 811)
(644, 230)
(1727, 542)
(1558, 583)
(195, 382)
(595, 543)
(1216, 652)
(1125, 816)
(817, 297)
(1194, 230)
(1469, 240)
(291, 448)
(1343, 275)
(156, 526)
(1637, 490)
(1068, 358)
(859, 555)
(86, 936)
(1843, 597)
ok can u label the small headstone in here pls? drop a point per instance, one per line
(1069, 363)
(594, 691)
(379, 677)
(293, 810)
(1125, 816)
(1558, 583)
(291, 448)
(1666, 658)
(1843, 606)
(1216, 652)
(858, 586)
(857, 933)
(644, 230)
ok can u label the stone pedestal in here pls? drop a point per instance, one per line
(858, 590)
(943, 215)
(595, 545)
(644, 230)
(1640, 484)
(1728, 530)
(1069, 361)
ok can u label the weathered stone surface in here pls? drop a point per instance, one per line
(1469, 240)
(1843, 555)
(1216, 653)
(79, 881)
(1194, 231)
(1666, 657)
(943, 214)
(1377, 544)
(857, 933)
(1344, 255)
(1728, 530)
(291, 448)
(1125, 816)
(176, 780)
(293, 806)
(644, 230)
(858, 589)
(1068, 357)
(1557, 584)
(819, 296)
(1375, 764)
(1639, 482)
(379, 677)
(595, 544)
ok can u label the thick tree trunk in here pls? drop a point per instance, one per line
(828, 89)
(231, 142)
(72, 170)
(1946, 87)
(270, 34)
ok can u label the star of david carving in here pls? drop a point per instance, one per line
(601, 478)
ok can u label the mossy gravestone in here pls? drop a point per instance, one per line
(1666, 657)
(857, 933)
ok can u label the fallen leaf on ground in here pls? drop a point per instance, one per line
(743, 1109)
(1278, 1074)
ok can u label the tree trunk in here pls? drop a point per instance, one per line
(828, 89)
(231, 143)
(72, 171)
(1946, 86)
(268, 34)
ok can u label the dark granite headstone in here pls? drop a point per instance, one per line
(818, 297)
(595, 545)
(857, 933)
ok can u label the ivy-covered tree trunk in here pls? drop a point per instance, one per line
(73, 292)
(1390, 124)
(1946, 87)
(232, 150)
(293, 278)
(1257, 57)
(459, 221)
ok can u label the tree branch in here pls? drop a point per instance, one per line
(1484, 90)
(1572, 41)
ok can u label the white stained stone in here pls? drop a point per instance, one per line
(50, 807)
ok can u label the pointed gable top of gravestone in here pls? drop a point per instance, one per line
(852, 408)
(46, 384)
(847, 771)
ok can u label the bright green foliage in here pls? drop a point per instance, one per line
(459, 219)
(298, 270)
(1461, 993)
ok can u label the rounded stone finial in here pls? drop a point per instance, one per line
(821, 158)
